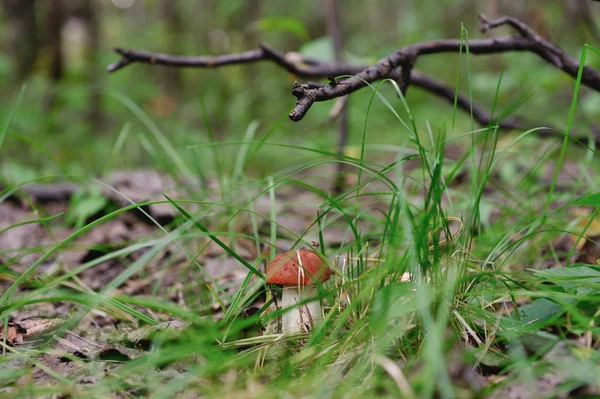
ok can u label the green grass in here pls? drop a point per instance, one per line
(409, 312)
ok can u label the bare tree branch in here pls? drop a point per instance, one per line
(399, 65)
(300, 66)
(131, 56)
(405, 57)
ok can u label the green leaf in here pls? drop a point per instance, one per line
(284, 24)
(589, 200)
(580, 280)
(14, 173)
(538, 342)
(540, 311)
(321, 49)
(83, 206)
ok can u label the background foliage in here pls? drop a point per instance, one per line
(83, 110)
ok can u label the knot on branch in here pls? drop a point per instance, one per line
(523, 30)
(306, 97)
(484, 23)
(298, 90)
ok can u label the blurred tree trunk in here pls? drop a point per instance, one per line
(251, 15)
(23, 39)
(335, 31)
(55, 21)
(170, 78)
(251, 40)
(491, 9)
(580, 15)
(89, 14)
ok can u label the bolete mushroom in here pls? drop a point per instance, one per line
(298, 271)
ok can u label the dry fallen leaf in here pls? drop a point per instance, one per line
(18, 332)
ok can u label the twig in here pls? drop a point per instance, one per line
(131, 56)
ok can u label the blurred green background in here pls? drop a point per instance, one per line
(72, 112)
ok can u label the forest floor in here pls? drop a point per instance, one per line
(104, 298)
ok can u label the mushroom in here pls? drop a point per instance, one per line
(297, 271)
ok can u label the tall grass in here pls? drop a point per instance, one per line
(418, 304)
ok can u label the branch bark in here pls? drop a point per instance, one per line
(405, 58)
(398, 65)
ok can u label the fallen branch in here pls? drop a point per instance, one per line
(406, 57)
(399, 66)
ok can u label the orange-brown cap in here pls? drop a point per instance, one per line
(286, 270)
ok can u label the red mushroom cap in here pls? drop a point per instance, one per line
(286, 270)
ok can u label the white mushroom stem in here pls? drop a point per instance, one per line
(299, 319)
